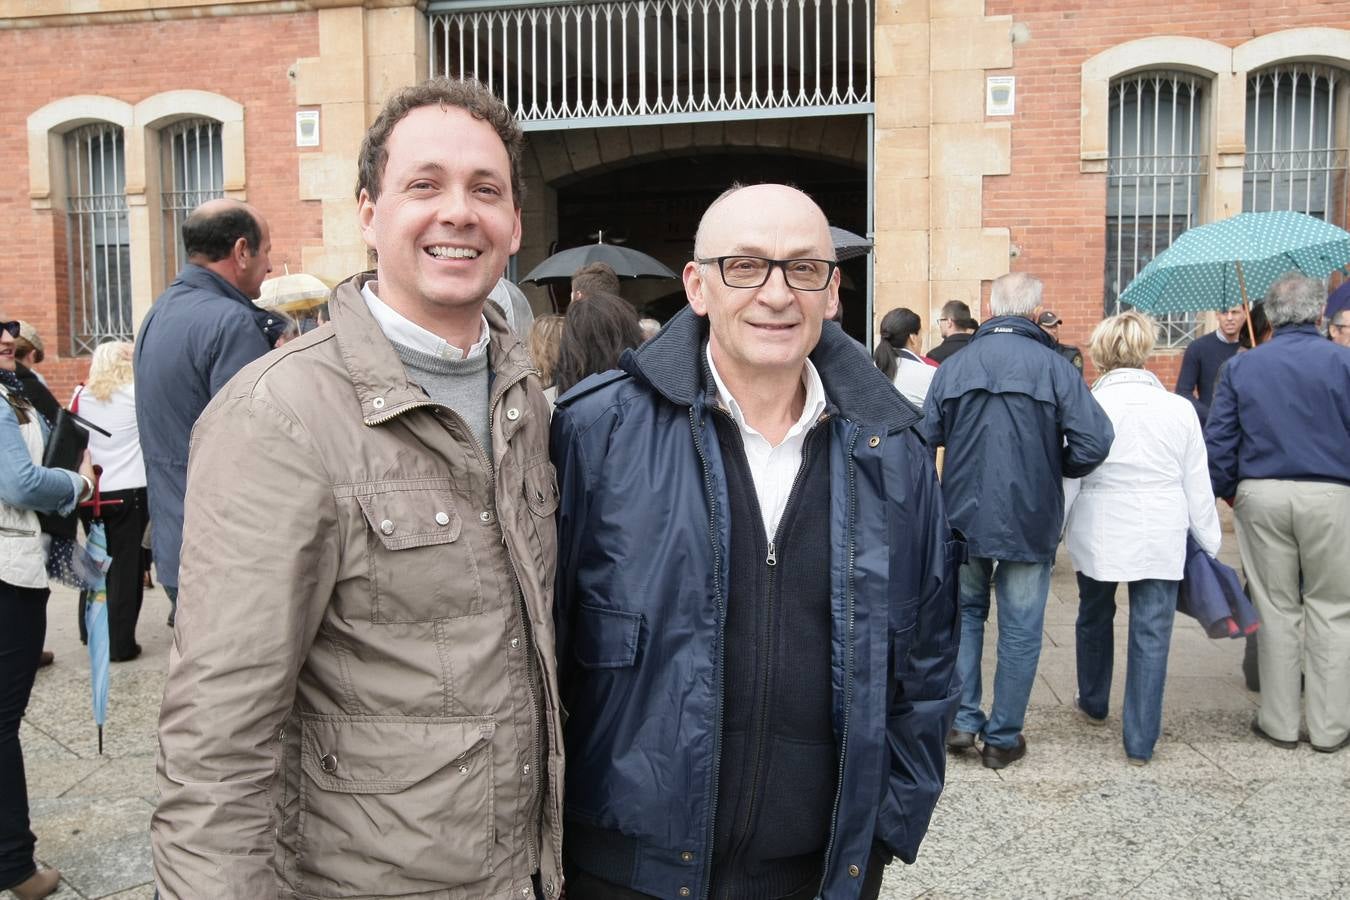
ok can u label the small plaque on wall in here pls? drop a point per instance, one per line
(307, 128)
(1000, 95)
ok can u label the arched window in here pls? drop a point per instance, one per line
(1156, 165)
(192, 171)
(98, 238)
(1296, 141)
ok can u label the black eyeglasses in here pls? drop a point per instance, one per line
(11, 327)
(753, 271)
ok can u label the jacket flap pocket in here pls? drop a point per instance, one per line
(541, 488)
(408, 514)
(607, 638)
(386, 754)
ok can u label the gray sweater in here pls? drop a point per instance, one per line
(460, 384)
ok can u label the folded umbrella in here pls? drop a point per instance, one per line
(1208, 593)
(96, 624)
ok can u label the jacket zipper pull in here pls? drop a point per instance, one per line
(773, 555)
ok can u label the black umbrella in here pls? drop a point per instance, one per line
(626, 263)
(847, 244)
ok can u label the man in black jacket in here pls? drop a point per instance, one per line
(1016, 419)
(956, 327)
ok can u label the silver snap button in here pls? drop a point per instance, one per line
(485, 516)
(464, 770)
(684, 892)
(526, 769)
(442, 519)
(513, 414)
(854, 871)
(378, 403)
(515, 643)
(328, 763)
(387, 527)
(548, 886)
(874, 441)
(686, 856)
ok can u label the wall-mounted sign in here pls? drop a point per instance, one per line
(307, 128)
(1000, 94)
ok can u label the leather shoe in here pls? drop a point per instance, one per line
(1271, 739)
(1002, 757)
(37, 885)
(135, 652)
(46, 659)
(960, 741)
(1344, 742)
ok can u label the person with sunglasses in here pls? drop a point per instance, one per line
(26, 488)
(756, 596)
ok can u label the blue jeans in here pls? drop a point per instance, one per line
(1153, 606)
(1022, 589)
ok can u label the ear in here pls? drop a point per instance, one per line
(365, 217)
(832, 305)
(515, 233)
(694, 285)
(241, 252)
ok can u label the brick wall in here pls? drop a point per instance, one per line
(245, 58)
(1057, 215)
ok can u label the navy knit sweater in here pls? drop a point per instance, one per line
(1200, 370)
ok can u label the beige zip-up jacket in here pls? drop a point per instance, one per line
(362, 697)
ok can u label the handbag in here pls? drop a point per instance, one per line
(1211, 593)
(66, 444)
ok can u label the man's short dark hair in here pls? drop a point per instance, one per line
(595, 278)
(958, 313)
(469, 95)
(212, 235)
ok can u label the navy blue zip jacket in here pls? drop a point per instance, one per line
(1282, 410)
(641, 604)
(200, 331)
(1016, 418)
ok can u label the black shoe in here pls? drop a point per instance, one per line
(170, 621)
(135, 652)
(1270, 739)
(960, 741)
(1002, 757)
(1345, 742)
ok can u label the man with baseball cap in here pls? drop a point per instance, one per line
(1050, 323)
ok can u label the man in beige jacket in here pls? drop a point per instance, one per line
(362, 698)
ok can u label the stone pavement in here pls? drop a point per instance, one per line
(1217, 813)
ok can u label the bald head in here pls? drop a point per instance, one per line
(763, 212)
(212, 229)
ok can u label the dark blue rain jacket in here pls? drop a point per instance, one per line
(641, 607)
(1016, 418)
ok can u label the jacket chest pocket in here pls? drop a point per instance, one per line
(422, 563)
(394, 804)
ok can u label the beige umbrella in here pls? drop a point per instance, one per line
(291, 293)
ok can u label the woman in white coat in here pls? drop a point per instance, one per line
(897, 355)
(1128, 521)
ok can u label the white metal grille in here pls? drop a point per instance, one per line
(192, 171)
(1155, 172)
(98, 239)
(1296, 153)
(660, 59)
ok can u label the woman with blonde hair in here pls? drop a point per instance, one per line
(1127, 521)
(108, 399)
(545, 341)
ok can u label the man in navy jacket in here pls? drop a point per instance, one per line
(1278, 436)
(200, 331)
(756, 604)
(1016, 418)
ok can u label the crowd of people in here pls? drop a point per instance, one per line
(731, 572)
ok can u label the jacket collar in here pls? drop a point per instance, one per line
(1128, 376)
(1015, 325)
(378, 375)
(671, 364)
(1306, 328)
(203, 278)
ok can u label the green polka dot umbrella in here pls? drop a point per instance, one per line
(1221, 265)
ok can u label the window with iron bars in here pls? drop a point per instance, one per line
(1156, 166)
(98, 238)
(1296, 141)
(192, 171)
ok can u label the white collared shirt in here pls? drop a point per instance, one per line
(402, 330)
(774, 469)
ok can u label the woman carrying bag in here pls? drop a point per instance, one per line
(108, 399)
(1128, 521)
(26, 488)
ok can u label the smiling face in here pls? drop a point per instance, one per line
(773, 328)
(6, 348)
(445, 223)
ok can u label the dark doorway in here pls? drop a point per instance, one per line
(654, 206)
